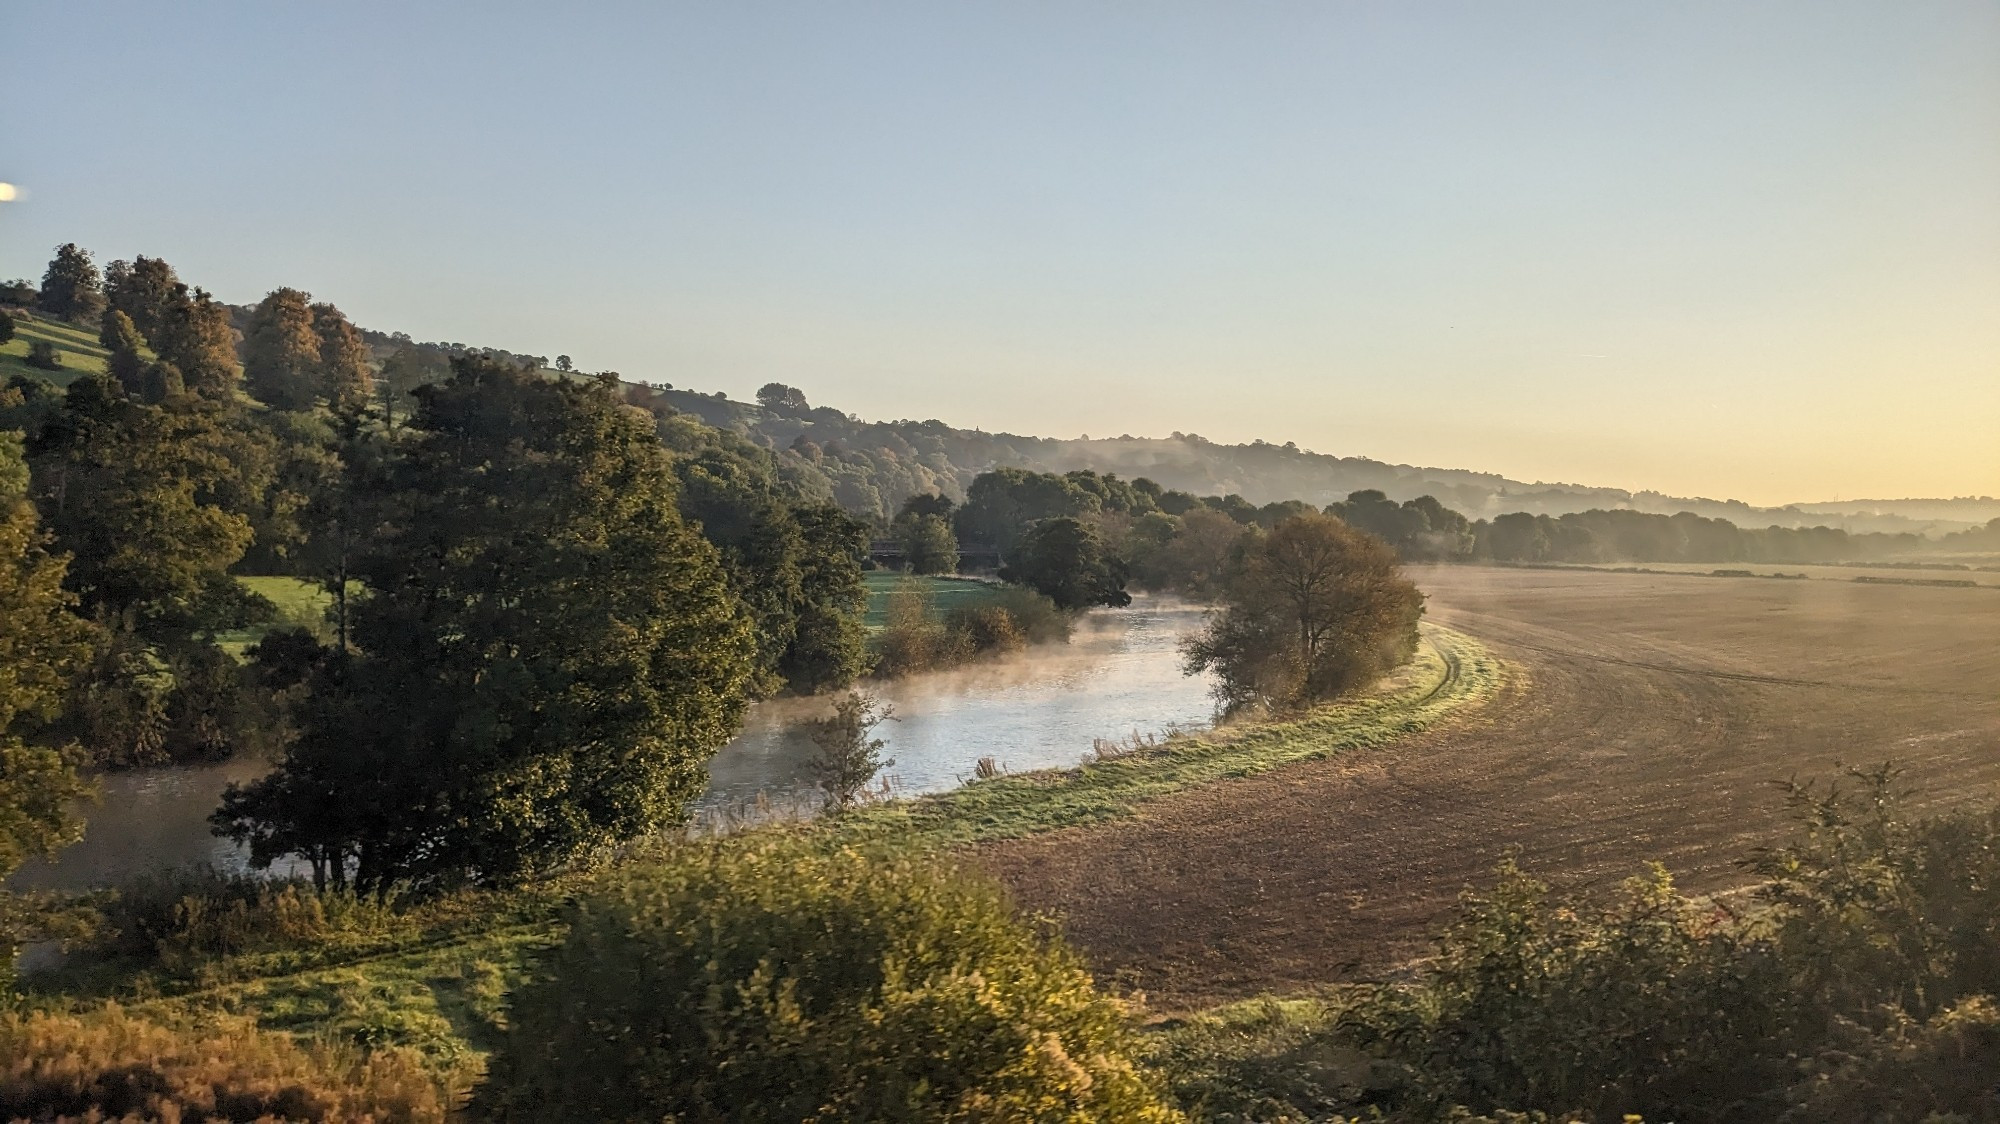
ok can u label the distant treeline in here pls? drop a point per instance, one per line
(1170, 540)
(1424, 531)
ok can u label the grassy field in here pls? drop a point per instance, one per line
(301, 604)
(946, 593)
(77, 347)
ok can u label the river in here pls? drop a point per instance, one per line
(1119, 675)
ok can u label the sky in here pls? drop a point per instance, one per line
(1742, 249)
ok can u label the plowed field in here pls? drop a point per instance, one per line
(1648, 717)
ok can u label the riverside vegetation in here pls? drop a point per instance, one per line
(549, 598)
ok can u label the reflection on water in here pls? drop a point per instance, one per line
(146, 819)
(1120, 674)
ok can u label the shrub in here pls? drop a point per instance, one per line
(766, 980)
(1863, 989)
(848, 759)
(987, 629)
(1035, 616)
(913, 639)
(108, 1065)
(6, 327)
(43, 355)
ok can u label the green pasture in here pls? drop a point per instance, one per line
(946, 594)
(77, 347)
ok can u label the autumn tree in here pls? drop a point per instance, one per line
(1310, 610)
(196, 345)
(72, 288)
(547, 655)
(281, 360)
(345, 378)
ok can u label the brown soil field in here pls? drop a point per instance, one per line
(1647, 718)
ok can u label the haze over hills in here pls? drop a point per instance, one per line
(872, 466)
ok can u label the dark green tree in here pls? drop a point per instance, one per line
(121, 338)
(928, 545)
(281, 360)
(779, 398)
(142, 289)
(794, 564)
(1001, 505)
(548, 654)
(42, 645)
(344, 511)
(148, 502)
(1063, 560)
(6, 327)
(72, 289)
(829, 647)
(406, 369)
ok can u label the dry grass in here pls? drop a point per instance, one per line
(109, 1065)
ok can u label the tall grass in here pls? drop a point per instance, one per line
(107, 1064)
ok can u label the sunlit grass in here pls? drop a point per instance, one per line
(77, 347)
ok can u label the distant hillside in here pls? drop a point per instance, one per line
(872, 466)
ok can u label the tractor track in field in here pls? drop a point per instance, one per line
(1645, 719)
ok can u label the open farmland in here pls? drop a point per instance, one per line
(1647, 718)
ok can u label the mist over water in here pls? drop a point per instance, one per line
(1120, 673)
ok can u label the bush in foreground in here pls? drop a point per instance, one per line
(767, 980)
(1861, 990)
(109, 1065)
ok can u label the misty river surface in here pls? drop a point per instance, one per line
(1120, 674)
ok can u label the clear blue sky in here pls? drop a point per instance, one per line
(1745, 249)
